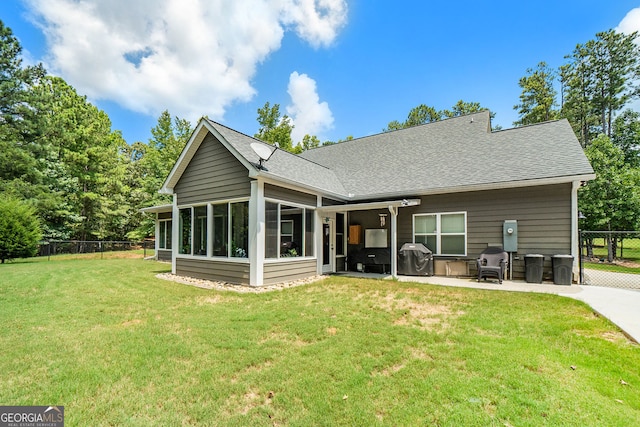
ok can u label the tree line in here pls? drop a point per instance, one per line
(61, 160)
(60, 156)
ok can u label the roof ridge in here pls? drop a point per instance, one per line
(546, 122)
(446, 119)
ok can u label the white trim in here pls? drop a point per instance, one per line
(297, 186)
(370, 205)
(318, 235)
(175, 225)
(482, 187)
(157, 234)
(215, 258)
(256, 233)
(286, 260)
(157, 209)
(394, 240)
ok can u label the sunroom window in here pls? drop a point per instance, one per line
(289, 231)
(164, 238)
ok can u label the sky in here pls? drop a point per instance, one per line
(337, 68)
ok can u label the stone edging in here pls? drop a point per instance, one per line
(225, 286)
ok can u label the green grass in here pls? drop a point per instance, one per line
(611, 267)
(116, 346)
(627, 261)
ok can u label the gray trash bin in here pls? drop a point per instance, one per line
(562, 269)
(533, 267)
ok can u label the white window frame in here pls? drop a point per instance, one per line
(163, 225)
(209, 235)
(303, 246)
(438, 232)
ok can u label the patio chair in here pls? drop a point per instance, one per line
(492, 263)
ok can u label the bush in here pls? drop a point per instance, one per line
(19, 230)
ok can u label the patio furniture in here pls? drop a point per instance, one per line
(492, 263)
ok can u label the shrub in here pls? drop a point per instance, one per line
(19, 230)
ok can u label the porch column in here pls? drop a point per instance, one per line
(175, 233)
(318, 236)
(256, 233)
(156, 243)
(394, 241)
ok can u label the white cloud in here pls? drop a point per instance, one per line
(308, 114)
(630, 23)
(193, 57)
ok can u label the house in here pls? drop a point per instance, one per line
(246, 212)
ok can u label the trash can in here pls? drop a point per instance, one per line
(533, 268)
(415, 259)
(562, 269)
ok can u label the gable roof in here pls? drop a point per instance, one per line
(282, 166)
(453, 155)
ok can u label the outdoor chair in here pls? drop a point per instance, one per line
(492, 263)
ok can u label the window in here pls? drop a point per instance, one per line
(289, 231)
(239, 229)
(442, 233)
(340, 234)
(200, 230)
(220, 229)
(164, 239)
(229, 230)
(185, 231)
(271, 230)
(309, 240)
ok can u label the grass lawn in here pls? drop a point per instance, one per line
(116, 346)
(630, 254)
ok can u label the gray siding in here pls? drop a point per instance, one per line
(543, 214)
(281, 193)
(284, 272)
(164, 215)
(213, 174)
(164, 255)
(231, 272)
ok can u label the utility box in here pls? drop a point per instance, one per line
(510, 235)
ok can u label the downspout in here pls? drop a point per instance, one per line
(394, 241)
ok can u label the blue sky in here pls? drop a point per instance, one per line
(338, 67)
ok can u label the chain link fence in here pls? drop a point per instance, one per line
(610, 258)
(96, 249)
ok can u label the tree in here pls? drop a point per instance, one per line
(149, 166)
(90, 159)
(309, 142)
(611, 201)
(19, 230)
(538, 96)
(626, 136)
(462, 108)
(274, 128)
(600, 79)
(423, 114)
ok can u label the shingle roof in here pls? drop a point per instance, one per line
(452, 154)
(284, 165)
(457, 154)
